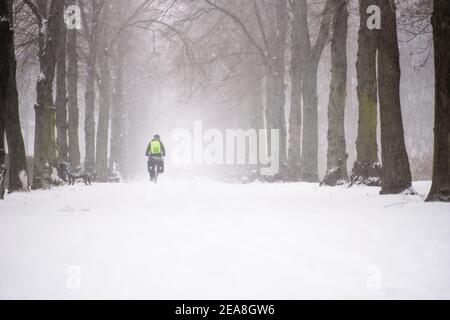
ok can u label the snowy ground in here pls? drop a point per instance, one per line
(203, 240)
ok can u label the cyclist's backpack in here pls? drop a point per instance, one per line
(155, 147)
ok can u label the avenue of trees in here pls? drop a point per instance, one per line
(91, 65)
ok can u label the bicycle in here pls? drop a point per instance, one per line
(155, 167)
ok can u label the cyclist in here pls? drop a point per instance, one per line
(155, 153)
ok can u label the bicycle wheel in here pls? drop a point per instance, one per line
(155, 174)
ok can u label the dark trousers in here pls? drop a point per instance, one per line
(157, 161)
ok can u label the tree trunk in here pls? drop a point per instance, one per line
(2, 130)
(280, 65)
(310, 142)
(18, 177)
(72, 96)
(18, 172)
(312, 54)
(337, 154)
(118, 115)
(104, 111)
(395, 164)
(89, 97)
(276, 96)
(295, 117)
(366, 168)
(257, 115)
(2, 145)
(61, 95)
(440, 189)
(45, 137)
(5, 26)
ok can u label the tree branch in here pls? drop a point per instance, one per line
(243, 27)
(324, 32)
(35, 11)
(261, 27)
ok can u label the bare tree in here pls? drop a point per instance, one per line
(45, 155)
(72, 96)
(2, 155)
(312, 53)
(440, 190)
(118, 115)
(5, 26)
(298, 43)
(105, 90)
(61, 95)
(337, 154)
(272, 54)
(9, 103)
(366, 168)
(275, 91)
(395, 164)
(91, 29)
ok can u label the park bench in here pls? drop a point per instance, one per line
(71, 175)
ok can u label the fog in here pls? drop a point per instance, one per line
(185, 61)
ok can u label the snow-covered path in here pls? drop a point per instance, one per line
(189, 240)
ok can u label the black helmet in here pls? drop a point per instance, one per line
(157, 136)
